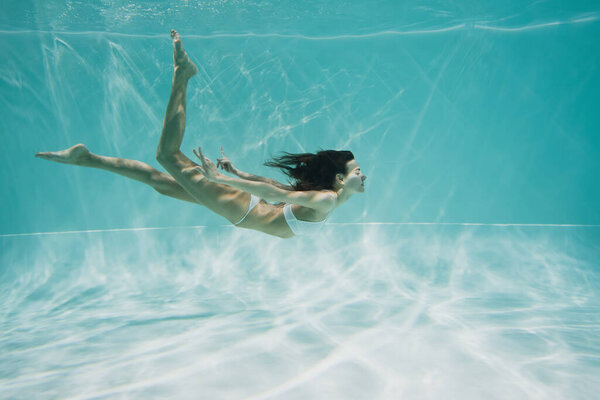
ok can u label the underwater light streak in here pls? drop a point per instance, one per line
(391, 32)
(329, 223)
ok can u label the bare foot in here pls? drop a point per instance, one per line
(78, 155)
(184, 67)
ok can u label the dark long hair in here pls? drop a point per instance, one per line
(311, 171)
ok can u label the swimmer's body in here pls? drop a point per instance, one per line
(314, 196)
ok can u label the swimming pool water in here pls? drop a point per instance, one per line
(468, 269)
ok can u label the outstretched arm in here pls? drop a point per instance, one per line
(226, 164)
(256, 178)
(323, 201)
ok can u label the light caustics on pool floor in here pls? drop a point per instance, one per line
(379, 312)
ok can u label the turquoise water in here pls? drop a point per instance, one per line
(469, 268)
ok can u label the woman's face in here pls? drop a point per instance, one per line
(354, 179)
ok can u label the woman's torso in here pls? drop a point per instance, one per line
(269, 218)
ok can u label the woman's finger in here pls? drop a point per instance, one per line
(199, 153)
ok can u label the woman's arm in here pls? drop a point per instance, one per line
(226, 164)
(256, 178)
(319, 200)
(323, 201)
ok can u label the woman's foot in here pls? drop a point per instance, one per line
(184, 67)
(78, 155)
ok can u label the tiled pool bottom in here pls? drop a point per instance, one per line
(362, 312)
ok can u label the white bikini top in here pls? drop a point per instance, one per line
(301, 227)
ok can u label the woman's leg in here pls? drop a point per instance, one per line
(137, 170)
(224, 200)
(174, 123)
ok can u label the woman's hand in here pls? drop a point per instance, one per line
(208, 168)
(225, 163)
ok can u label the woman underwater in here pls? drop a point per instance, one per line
(323, 181)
